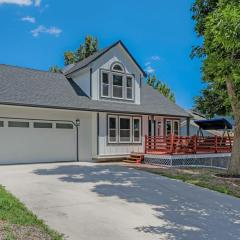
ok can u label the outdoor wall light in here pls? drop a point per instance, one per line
(77, 122)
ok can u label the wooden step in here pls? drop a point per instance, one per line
(129, 161)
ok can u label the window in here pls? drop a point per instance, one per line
(117, 86)
(42, 125)
(176, 128)
(172, 127)
(64, 125)
(115, 83)
(1, 123)
(129, 88)
(112, 129)
(168, 127)
(18, 124)
(105, 84)
(124, 129)
(117, 67)
(136, 129)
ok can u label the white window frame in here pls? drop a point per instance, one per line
(123, 85)
(109, 84)
(116, 130)
(119, 64)
(140, 129)
(126, 87)
(130, 130)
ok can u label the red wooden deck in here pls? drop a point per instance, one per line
(187, 145)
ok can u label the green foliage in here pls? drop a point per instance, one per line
(55, 69)
(220, 27)
(85, 50)
(161, 87)
(13, 211)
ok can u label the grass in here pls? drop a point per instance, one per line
(14, 215)
(202, 177)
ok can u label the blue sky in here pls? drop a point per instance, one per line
(159, 33)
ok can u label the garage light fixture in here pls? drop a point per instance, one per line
(77, 122)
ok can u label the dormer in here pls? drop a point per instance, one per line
(111, 74)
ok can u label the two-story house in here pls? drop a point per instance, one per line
(97, 108)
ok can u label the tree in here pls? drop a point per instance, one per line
(55, 69)
(85, 50)
(221, 62)
(161, 87)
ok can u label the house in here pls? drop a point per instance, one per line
(97, 108)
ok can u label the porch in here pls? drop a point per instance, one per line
(173, 144)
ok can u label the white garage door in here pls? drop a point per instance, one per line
(32, 141)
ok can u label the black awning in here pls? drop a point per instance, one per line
(214, 124)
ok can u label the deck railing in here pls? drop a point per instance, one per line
(173, 144)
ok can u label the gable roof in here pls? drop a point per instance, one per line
(28, 87)
(85, 62)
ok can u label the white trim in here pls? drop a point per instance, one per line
(120, 64)
(130, 130)
(140, 129)
(116, 129)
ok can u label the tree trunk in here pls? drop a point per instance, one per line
(234, 166)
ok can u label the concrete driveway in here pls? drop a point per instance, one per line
(87, 201)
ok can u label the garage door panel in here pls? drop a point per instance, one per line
(30, 145)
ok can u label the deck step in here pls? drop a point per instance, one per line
(134, 158)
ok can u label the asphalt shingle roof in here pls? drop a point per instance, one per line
(29, 87)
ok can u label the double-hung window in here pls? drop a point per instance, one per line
(125, 128)
(105, 84)
(129, 87)
(112, 129)
(117, 86)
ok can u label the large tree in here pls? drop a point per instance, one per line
(85, 50)
(220, 29)
(160, 86)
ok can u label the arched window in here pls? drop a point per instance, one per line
(118, 67)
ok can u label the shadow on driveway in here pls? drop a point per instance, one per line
(188, 212)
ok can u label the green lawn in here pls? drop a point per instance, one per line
(17, 222)
(201, 177)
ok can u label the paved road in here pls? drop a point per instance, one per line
(89, 201)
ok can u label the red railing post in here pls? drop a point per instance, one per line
(195, 144)
(171, 143)
(145, 147)
(215, 143)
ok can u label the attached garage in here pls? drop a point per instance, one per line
(33, 141)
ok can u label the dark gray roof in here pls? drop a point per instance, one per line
(28, 87)
(85, 62)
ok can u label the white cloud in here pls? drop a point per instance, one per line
(37, 3)
(150, 69)
(147, 63)
(155, 58)
(22, 2)
(28, 19)
(42, 29)
(17, 2)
